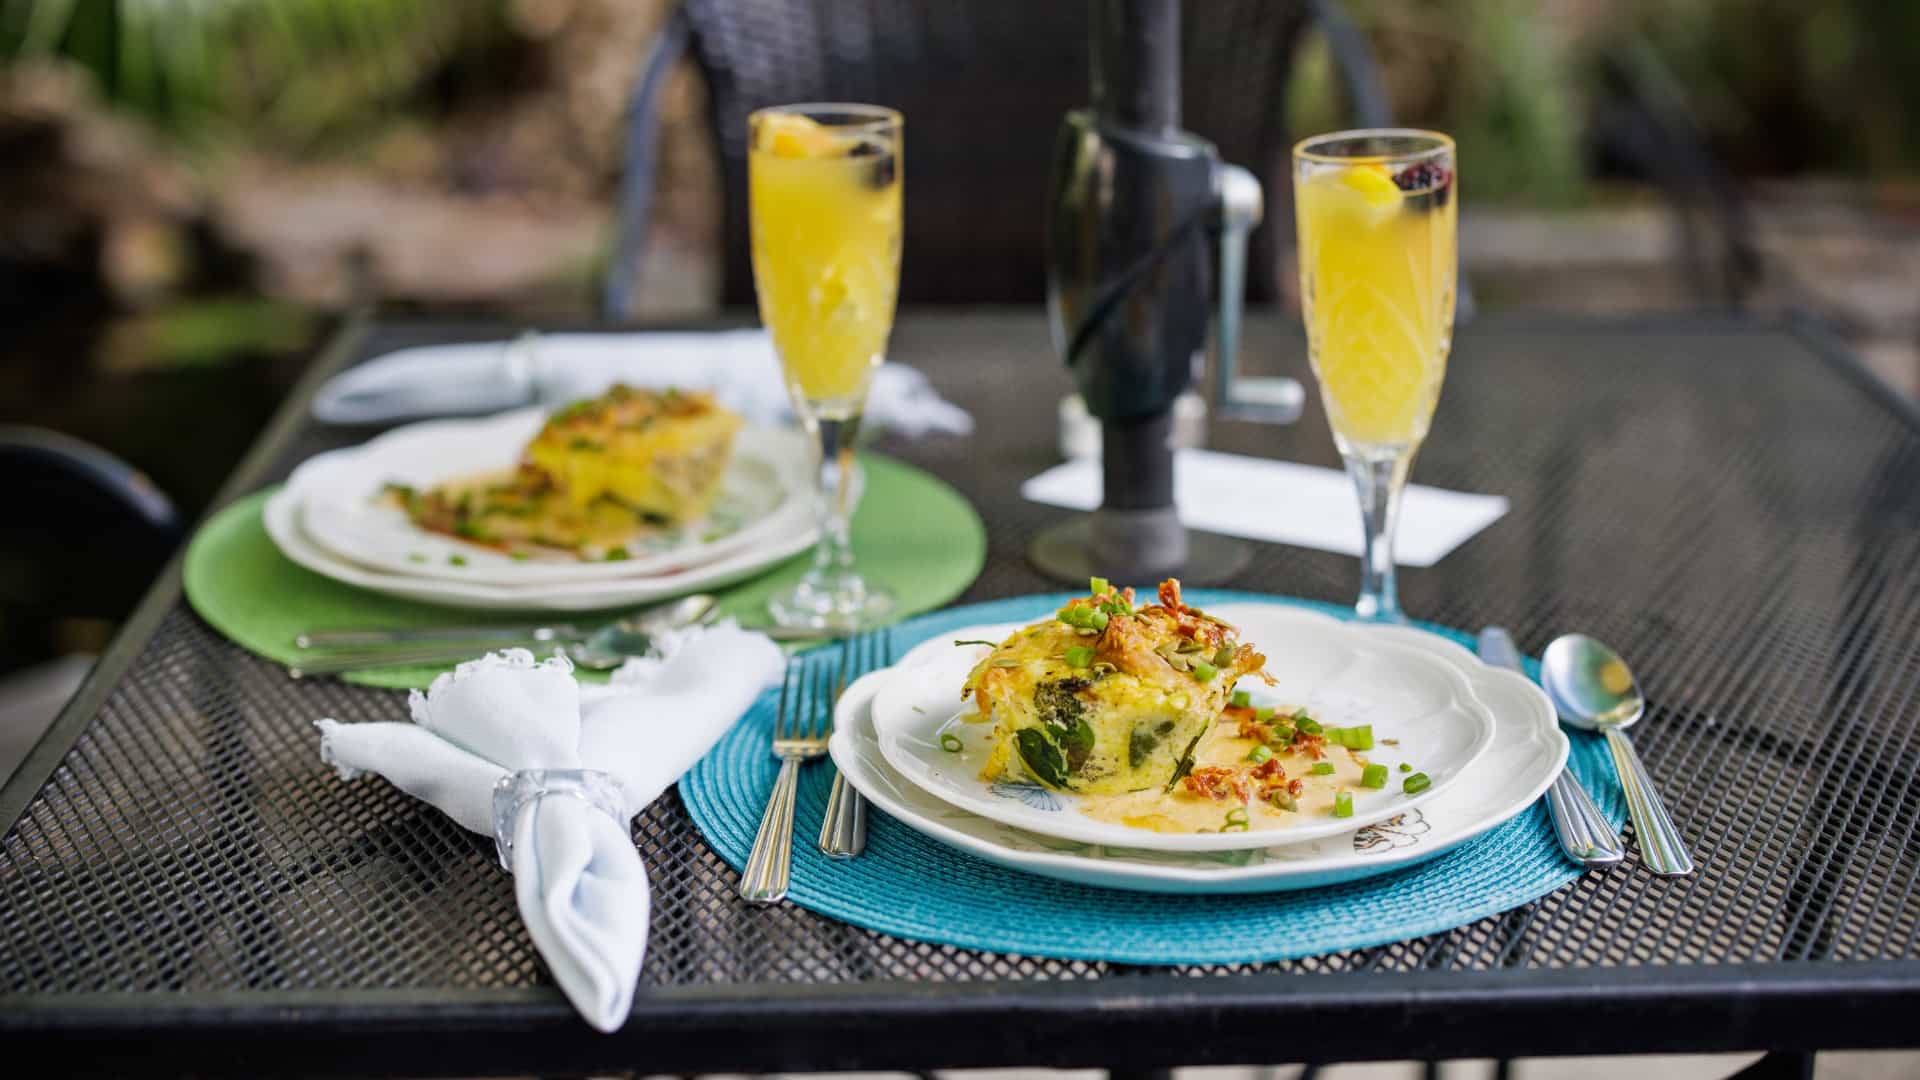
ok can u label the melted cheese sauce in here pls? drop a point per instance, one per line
(1179, 811)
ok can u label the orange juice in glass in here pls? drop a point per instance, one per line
(823, 191)
(1376, 212)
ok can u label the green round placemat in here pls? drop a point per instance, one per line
(911, 533)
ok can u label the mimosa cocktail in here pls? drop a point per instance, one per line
(1376, 212)
(824, 197)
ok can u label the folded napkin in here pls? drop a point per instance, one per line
(578, 879)
(739, 366)
(1286, 503)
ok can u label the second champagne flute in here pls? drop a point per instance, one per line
(1376, 212)
(824, 201)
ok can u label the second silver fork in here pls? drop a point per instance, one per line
(843, 829)
(800, 730)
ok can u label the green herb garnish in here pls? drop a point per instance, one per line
(1322, 768)
(1343, 804)
(1373, 776)
(1236, 820)
(1415, 784)
(951, 743)
(1260, 754)
(1203, 671)
(977, 641)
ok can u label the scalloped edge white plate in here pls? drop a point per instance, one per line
(281, 517)
(766, 481)
(1342, 673)
(1528, 751)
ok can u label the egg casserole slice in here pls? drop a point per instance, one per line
(1105, 698)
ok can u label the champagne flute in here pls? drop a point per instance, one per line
(1376, 211)
(824, 199)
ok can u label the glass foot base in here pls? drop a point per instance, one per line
(831, 602)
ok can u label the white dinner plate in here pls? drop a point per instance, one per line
(1527, 752)
(761, 500)
(1422, 710)
(283, 523)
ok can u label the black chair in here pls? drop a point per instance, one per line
(983, 84)
(87, 537)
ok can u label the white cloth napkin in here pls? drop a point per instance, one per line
(739, 366)
(578, 879)
(1286, 503)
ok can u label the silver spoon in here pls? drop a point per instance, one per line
(1593, 689)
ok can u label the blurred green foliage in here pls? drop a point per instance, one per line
(1792, 86)
(289, 72)
(1482, 70)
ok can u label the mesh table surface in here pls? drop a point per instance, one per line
(1722, 501)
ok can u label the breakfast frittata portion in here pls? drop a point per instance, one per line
(1107, 697)
(603, 476)
(658, 453)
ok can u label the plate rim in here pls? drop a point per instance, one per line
(280, 518)
(1094, 832)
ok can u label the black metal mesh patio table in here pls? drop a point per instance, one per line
(1735, 505)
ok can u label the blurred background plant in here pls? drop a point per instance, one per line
(286, 73)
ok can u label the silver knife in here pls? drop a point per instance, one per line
(1583, 833)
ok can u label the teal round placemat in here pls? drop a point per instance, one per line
(911, 532)
(914, 887)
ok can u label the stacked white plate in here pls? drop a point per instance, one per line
(1487, 738)
(331, 519)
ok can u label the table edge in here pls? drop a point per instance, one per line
(1059, 1024)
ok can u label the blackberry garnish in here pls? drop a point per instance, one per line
(880, 173)
(1432, 182)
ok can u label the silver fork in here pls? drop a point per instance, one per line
(843, 829)
(800, 731)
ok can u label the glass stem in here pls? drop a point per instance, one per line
(1379, 480)
(834, 554)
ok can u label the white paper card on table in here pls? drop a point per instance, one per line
(1286, 503)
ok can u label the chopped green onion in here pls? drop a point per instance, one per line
(1263, 713)
(975, 641)
(1406, 766)
(1322, 768)
(1260, 754)
(1415, 784)
(1006, 663)
(1100, 586)
(1097, 620)
(1306, 723)
(1236, 820)
(1282, 735)
(457, 560)
(1359, 737)
(1374, 776)
(1203, 671)
(617, 554)
(1343, 804)
(1223, 656)
(1282, 799)
(1080, 656)
(1241, 699)
(951, 743)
